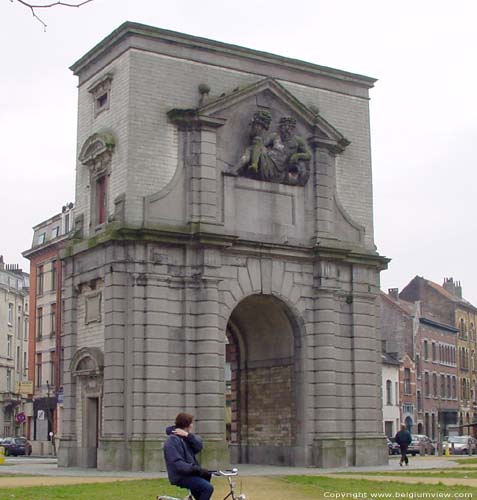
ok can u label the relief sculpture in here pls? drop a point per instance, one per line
(280, 156)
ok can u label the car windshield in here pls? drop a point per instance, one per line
(458, 439)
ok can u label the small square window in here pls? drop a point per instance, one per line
(41, 238)
(55, 232)
(100, 91)
(101, 101)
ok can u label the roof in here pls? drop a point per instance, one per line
(439, 326)
(388, 359)
(454, 298)
(123, 34)
(403, 305)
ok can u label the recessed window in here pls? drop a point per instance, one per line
(101, 200)
(407, 381)
(39, 370)
(39, 323)
(93, 308)
(10, 314)
(40, 279)
(102, 100)
(55, 232)
(100, 91)
(9, 345)
(53, 275)
(41, 238)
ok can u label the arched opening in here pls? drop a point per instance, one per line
(87, 369)
(420, 428)
(263, 354)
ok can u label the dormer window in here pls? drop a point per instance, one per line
(100, 91)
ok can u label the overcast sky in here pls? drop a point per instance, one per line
(423, 108)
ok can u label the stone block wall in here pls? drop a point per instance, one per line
(197, 251)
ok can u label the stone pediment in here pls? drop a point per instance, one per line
(263, 131)
(96, 146)
(267, 91)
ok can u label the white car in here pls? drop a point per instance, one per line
(461, 444)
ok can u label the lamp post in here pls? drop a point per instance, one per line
(51, 435)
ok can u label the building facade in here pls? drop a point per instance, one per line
(14, 311)
(446, 352)
(391, 401)
(223, 197)
(45, 352)
(398, 327)
(437, 398)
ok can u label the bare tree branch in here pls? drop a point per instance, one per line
(32, 7)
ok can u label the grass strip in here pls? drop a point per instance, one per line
(120, 490)
(394, 489)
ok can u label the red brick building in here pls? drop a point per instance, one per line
(45, 350)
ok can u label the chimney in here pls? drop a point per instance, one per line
(449, 285)
(458, 289)
(2, 264)
(394, 293)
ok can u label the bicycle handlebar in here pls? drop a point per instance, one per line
(227, 472)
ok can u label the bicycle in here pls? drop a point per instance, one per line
(223, 473)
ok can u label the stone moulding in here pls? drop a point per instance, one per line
(96, 146)
(92, 353)
(324, 134)
(194, 235)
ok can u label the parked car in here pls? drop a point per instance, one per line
(421, 443)
(16, 446)
(393, 447)
(460, 444)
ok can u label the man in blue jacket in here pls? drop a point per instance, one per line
(403, 439)
(180, 450)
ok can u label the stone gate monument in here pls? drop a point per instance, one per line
(223, 260)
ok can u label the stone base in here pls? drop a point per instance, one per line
(289, 456)
(349, 452)
(138, 455)
(113, 455)
(134, 456)
(148, 455)
(371, 451)
(215, 455)
(70, 455)
(67, 454)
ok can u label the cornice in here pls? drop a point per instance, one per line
(57, 244)
(202, 235)
(128, 30)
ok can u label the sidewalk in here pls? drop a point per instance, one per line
(46, 471)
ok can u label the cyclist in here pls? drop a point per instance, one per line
(183, 469)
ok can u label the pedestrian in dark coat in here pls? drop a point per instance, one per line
(180, 450)
(403, 439)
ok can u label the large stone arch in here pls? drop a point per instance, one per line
(265, 340)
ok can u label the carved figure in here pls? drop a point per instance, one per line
(289, 153)
(255, 154)
(280, 157)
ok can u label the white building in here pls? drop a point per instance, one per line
(390, 374)
(14, 286)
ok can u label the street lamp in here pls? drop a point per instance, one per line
(49, 419)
